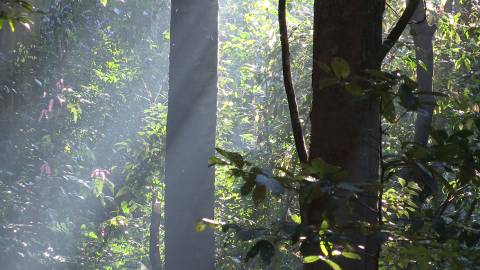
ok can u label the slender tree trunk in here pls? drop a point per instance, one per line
(154, 247)
(346, 131)
(191, 127)
(423, 37)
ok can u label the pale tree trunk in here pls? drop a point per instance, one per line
(423, 34)
(154, 241)
(190, 139)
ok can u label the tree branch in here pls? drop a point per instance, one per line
(397, 30)
(287, 80)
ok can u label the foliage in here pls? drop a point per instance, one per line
(84, 111)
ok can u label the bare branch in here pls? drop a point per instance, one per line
(287, 80)
(398, 29)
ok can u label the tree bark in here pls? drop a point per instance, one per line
(154, 245)
(346, 131)
(191, 127)
(288, 83)
(423, 37)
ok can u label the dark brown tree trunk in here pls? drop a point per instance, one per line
(190, 139)
(345, 130)
(423, 37)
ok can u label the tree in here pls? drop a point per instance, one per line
(345, 130)
(191, 133)
(423, 34)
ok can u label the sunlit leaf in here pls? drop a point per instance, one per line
(311, 259)
(340, 67)
(351, 255)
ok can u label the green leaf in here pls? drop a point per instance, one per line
(324, 67)
(204, 222)
(340, 67)
(414, 186)
(332, 264)
(311, 259)
(233, 157)
(26, 5)
(216, 161)
(200, 226)
(98, 187)
(91, 235)
(124, 207)
(296, 218)
(351, 255)
(324, 249)
(122, 191)
(11, 23)
(104, 2)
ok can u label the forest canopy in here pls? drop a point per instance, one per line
(239, 134)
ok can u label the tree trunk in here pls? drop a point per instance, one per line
(346, 131)
(154, 247)
(423, 37)
(190, 139)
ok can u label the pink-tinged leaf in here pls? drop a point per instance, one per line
(100, 173)
(101, 231)
(45, 169)
(50, 105)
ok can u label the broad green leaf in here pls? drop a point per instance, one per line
(215, 161)
(91, 235)
(340, 67)
(11, 23)
(351, 255)
(324, 249)
(324, 67)
(104, 2)
(98, 187)
(124, 207)
(311, 259)
(332, 264)
(122, 191)
(233, 157)
(296, 218)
